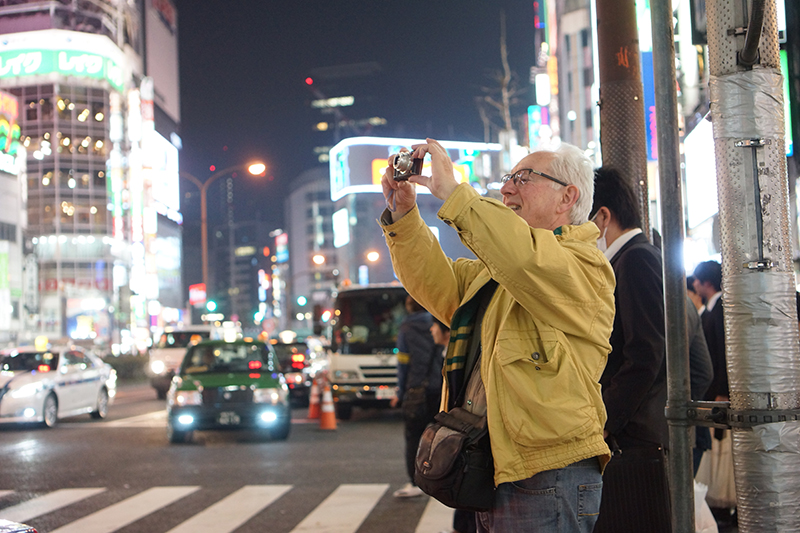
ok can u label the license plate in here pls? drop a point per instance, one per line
(229, 418)
(384, 394)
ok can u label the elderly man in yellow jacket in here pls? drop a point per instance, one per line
(545, 332)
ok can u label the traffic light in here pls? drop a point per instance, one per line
(211, 306)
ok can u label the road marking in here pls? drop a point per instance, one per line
(233, 511)
(127, 511)
(436, 517)
(46, 504)
(156, 419)
(344, 510)
(5, 492)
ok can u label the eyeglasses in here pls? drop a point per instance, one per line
(519, 178)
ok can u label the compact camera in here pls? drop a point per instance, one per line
(406, 165)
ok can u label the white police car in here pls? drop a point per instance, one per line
(45, 383)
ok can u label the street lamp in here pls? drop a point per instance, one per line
(257, 168)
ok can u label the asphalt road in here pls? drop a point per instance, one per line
(121, 474)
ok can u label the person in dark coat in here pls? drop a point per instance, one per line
(708, 284)
(419, 383)
(634, 382)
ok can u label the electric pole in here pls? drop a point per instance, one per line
(622, 133)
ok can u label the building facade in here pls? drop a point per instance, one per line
(102, 152)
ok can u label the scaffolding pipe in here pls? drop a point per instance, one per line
(679, 460)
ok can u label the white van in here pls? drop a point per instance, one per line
(168, 351)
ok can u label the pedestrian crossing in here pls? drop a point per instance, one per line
(343, 510)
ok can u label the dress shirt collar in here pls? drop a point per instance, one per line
(712, 301)
(621, 241)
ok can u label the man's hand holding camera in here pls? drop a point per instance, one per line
(399, 191)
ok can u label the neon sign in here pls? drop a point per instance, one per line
(19, 63)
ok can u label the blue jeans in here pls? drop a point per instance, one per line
(566, 500)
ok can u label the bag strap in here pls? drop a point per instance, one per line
(474, 352)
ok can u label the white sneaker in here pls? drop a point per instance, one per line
(408, 491)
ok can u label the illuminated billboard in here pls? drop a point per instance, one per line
(357, 163)
(68, 53)
(9, 133)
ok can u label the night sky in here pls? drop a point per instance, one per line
(243, 65)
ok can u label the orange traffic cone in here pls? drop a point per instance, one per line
(328, 418)
(313, 401)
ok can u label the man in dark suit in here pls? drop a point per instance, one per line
(708, 284)
(634, 382)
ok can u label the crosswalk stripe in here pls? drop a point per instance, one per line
(344, 510)
(231, 512)
(127, 511)
(46, 504)
(436, 517)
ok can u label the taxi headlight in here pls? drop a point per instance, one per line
(157, 367)
(188, 397)
(272, 396)
(26, 391)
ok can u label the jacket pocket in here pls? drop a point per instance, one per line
(542, 397)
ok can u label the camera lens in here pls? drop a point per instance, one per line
(402, 161)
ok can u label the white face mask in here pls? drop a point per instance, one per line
(601, 242)
(602, 245)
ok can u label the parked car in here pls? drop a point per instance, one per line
(228, 385)
(44, 384)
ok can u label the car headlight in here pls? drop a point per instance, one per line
(188, 397)
(272, 396)
(26, 391)
(157, 367)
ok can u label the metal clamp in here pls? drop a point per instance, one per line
(752, 143)
(760, 265)
(750, 418)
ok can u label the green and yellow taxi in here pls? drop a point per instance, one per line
(228, 385)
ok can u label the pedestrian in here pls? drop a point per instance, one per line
(708, 284)
(634, 381)
(697, 300)
(701, 369)
(716, 467)
(419, 383)
(543, 336)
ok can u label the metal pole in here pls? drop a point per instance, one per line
(622, 129)
(758, 280)
(203, 186)
(678, 392)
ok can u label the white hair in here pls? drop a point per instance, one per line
(571, 164)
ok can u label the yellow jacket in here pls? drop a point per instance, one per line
(544, 335)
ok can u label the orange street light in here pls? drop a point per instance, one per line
(318, 259)
(256, 168)
(373, 256)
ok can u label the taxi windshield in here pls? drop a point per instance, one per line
(182, 339)
(228, 357)
(27, 361)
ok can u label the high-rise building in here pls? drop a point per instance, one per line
(97, 86)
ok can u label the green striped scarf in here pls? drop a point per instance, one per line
(462, 325)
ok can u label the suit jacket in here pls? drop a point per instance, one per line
(714, 329)
(635, 379)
